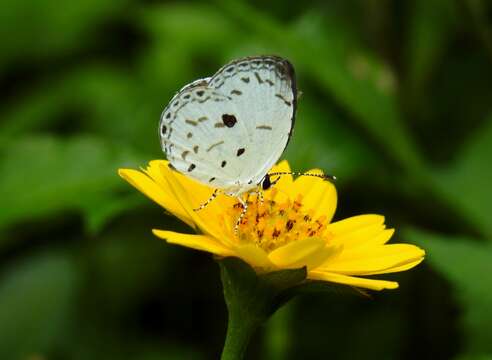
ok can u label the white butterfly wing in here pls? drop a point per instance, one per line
(227, 131)
(192, 136)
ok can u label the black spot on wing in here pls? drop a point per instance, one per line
(195, 149)
(191, 167)
(223, 163)
(163, 129)
(229, 120)
(245, 79)
(240, 152)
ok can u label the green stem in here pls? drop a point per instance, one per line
(239, 332)
(248, 305)
(250, 300)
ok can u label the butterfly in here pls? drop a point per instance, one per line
(226, 131)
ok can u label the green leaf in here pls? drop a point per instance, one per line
(467, 265)
(193, 26)
(40, 28)
(43, 175)
(36, 302)
(322, 140)
(192, 29)
(29, 112)
(429, 32)
(97, 98)
(118, 257)
(467, 182)
(101, 210)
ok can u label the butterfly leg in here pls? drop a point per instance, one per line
(243, 212)
(260, 195)
(204, 205)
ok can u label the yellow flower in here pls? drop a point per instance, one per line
(292, 228)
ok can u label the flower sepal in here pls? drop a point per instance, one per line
(259, 293)
(251, 298)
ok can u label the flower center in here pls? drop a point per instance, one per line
(271, 224)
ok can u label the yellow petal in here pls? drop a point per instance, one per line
(318, 194)
(205, 219)
(198, 242)
(155, 192)
(379, 260)
(254, 256)
(359, 236)
(310, 252)
(371, 284)
(198, 193)
(285, 180)
(401, 268)
(154, 171)
(354, 223)
(365, 242)
(380, 239)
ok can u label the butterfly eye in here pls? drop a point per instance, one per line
(266, 183)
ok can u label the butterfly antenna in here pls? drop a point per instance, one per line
(321, 176)
(204, 205)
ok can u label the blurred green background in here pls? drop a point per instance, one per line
(397, 102)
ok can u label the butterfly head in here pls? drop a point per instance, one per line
(266, 183)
